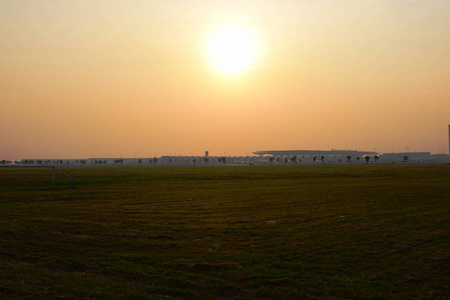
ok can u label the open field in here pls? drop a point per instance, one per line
(316, 232)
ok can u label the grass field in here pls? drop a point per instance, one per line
(308, 232)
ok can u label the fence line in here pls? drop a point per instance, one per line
(53, 172)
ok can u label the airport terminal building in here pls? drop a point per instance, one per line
(318, 155)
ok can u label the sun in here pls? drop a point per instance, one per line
(233, 49)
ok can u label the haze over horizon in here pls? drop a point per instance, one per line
(135, 78)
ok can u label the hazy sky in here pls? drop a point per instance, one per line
(110, 78)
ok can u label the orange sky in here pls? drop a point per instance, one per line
(117, 78)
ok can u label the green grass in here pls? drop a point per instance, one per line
(309, 232)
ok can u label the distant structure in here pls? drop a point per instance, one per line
(413, 157)
(270, 157)
(314, 152)
(273, 157)
(316, 155)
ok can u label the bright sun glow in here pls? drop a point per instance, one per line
(233, 49)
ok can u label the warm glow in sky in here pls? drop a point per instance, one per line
(232, 49)
(146, 78)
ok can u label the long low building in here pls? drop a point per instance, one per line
(318, 155)
(275, 157)
(339, 156)
(354, 153)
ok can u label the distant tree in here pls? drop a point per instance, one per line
(205, 159)
(367, 158)
(314, 158)
(285, 160)
(155, 160)
(224, 160)
(194, 161)
(3, 161)
(375, 158)
(140, 161)
(278, 159)
(357, 158)
(16, 162)
(322, 158)
(271, 159)
(294, 158)
(405, 158)
(348, 157)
